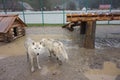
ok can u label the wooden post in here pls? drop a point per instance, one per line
(83, 27)
(89, 41)
(82, 32)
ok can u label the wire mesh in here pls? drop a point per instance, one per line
(54, 11)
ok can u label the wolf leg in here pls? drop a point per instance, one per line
(32, 65)
(50, 53)
(38, 62)
(27, 57)
(59, 61)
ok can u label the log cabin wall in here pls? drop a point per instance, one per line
(1, 37)
(17, 30)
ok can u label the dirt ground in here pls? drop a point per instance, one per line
(101, 63)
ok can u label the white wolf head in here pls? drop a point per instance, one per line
(46, 41)
(37, 48)
(43, 41)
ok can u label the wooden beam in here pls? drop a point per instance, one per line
(89, 41)
(104, 18)
(93, 17)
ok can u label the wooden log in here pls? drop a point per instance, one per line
(93, 17)
(89, 41)
(1, 37)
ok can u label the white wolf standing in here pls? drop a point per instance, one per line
(34, 49)
(55, 48)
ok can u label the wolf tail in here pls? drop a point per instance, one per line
(64, 53)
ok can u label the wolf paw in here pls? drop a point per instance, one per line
(60, 62)
(39, 67)
(50, 56)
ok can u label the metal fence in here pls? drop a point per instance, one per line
(54, 11)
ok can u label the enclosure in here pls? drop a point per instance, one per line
(45, 19)
(43, 11)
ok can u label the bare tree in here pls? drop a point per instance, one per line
(71, 5)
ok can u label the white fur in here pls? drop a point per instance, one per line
(56, 48)
(34, 49)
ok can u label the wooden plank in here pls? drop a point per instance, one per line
(89, 41)
(5, 23)
(104, 18)
(1, 19)
(92, 16)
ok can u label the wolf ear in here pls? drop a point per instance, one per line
(33, 43)
(40, 42)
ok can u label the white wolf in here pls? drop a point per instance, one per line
(55, 48)
(34, 49)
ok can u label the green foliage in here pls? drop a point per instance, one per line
(41, 25)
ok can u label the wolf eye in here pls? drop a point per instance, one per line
(35, 48)
(40, 42)
(38, 48)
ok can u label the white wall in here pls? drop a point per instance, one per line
(55, 17)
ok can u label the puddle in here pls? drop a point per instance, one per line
(107, 43)
(109, 72)
(2, 57)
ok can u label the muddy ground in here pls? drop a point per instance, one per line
(101, 63)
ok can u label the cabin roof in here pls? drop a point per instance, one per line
(6, 21)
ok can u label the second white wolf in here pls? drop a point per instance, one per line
(56, 48)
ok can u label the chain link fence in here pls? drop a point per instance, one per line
(54, 11)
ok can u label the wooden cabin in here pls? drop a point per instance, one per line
(11, 27)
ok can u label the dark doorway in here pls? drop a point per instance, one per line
(15, 31)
